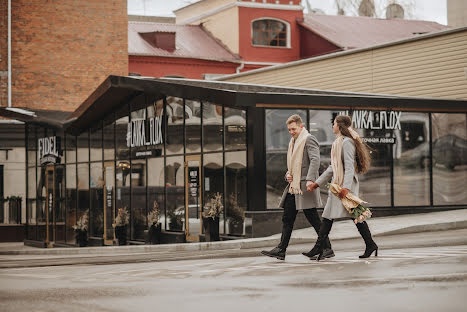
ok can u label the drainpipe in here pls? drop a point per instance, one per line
(239, 68)
(9, 53)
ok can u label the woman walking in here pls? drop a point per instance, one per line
(349, 157)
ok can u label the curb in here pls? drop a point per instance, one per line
(223, 245)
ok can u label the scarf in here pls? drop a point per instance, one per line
(336, 156)
(294, 161)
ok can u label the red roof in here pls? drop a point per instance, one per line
(350, 32)
(192, 41)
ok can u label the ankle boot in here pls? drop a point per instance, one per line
(320, 245)
(276, 252)
(370, 245)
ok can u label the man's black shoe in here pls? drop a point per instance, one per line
(327, 253)
(275, 253)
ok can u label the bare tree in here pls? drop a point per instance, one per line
(373, 8)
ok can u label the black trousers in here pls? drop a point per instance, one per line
(288, 219)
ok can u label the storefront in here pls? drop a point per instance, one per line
(172, 144)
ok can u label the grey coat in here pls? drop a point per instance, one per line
(334, 208)
(310, 166)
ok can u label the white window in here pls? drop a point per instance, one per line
(270, 32)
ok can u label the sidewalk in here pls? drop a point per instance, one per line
(403, 224)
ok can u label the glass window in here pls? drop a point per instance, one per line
(175, 115)
(235, 128)
(109, 140)
(138, 198)
(122, 196)
(96, 144)
(32, 146)
(121, 132)
(270, 33)
(156, 187)
(411, 149)
(277, 142)
(213, 179)
(375, 185)
(449, 148)
(212, 127)
(70, 149)
(236, 188)
(71, 197)
(96, 224)
(193, 126)
(83, 147)
(175, 182)
(156, 124)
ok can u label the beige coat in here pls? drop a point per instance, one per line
(334, 208)
(310, 166)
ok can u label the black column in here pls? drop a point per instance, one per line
(256, 159)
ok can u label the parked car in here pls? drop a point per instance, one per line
(449, 150)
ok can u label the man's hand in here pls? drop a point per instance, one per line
(311, 186)
(343, 192)
(289, 178)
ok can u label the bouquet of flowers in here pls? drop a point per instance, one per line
(214, 206)
(352, 203)
(82, 224)
(122, 218)
(153, 215)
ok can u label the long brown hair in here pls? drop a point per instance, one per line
(363, 157)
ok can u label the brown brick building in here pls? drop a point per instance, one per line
(61, 50)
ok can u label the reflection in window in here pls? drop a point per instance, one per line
(175, 182)
(174, 137)
(411, 151)
(213, 179)
(96, 224)
(71, 197)
(154, 110)
(277, 142)
(122, 195)
(192, 126)
(95, 147)
(121, 128)
(449, 148)
(138, 198)
(156, 187)
(235, 128)
(270, 33)
(236, 188)
(212, 127)
(109, 140)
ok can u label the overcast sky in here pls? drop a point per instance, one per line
(430, 10)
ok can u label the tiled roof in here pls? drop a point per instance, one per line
(350, 32)
(192, 41)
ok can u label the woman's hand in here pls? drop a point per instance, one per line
(343, 192)
(311, 186)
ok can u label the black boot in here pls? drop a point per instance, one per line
(319, 248)
(276, 252)
(314, 219)
(369, 243)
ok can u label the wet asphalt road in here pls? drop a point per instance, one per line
(399, 279)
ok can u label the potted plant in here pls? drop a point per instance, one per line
(154, 233)
(212, 209)
(235, 216)
(175, 220)
(81, 230)
(121, 222)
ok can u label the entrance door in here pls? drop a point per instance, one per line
(50, 204)
(109, 202)
(193, 197)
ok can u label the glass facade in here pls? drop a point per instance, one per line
(135, 160)
(402, 174)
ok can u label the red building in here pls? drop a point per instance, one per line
(216, 37)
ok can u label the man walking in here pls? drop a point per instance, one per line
(302, 171)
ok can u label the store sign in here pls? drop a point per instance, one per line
(144, 132)
(379, 120)
(49, 150)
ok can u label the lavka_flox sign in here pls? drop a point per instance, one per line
(144, 132)
(363, 119)
(49, 149)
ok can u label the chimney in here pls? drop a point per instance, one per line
(160, 39)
